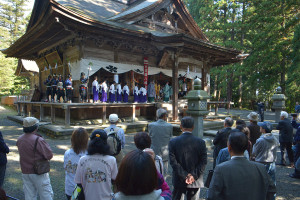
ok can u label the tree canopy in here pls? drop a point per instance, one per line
(266, 30)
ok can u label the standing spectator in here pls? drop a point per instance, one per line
(220, 140)
(188, 158)
(142, 141)
(34, 184)
(166, 92)
(253, 127)
(265, 149)
(113, 120)
(161, 132)
(79, 142)
(261, 109)
(96, 171)
(3, 160)
(297, 109)
(138, 179)
(239, 178)
(151, 92)
(296, 125)
(285, 138)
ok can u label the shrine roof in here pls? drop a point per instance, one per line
(94, 9)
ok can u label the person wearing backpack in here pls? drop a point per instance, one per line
(115, 138)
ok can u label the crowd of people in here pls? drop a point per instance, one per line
(61, 91)
(243, 161)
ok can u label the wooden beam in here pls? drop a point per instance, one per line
(133, 113)
(67, 116)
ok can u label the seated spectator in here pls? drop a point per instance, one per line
(137, 178)
(79, 142)
(143, 141)
(96, 171)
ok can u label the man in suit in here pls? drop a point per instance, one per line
(239, 178)
(161, 132)
(285, 138)
(188, 158)
(220, 140)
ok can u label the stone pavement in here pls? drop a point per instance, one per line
(287, 188)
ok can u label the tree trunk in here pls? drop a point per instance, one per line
(240, 91)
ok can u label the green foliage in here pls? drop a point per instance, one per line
(266, 30)
(12, 26)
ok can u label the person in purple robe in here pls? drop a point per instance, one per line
(125, 93)
(143, 94)
(112, 93)
(136, 93)
(119, 93)
(104, 92)
(95, 85)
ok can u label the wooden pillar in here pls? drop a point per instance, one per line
(133, 113)
(41, 112)
(203, 73)
(104, 115)
(67, 116)
(175, 86)
(19, 109)
(52, 114)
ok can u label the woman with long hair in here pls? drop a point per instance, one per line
(79, 142)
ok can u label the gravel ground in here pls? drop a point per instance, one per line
(287, 187)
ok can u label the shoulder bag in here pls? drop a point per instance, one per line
(40, 166)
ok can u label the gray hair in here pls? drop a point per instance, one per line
(160, 113)
(284, 114)
(187, 122)
(228, 121)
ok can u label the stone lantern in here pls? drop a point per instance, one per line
(197, 106)
(278, 103)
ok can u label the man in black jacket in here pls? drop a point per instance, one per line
(285, 138)
(220, 140)
(188, 158)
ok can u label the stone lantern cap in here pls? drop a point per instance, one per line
(197, 93)
(278, 96)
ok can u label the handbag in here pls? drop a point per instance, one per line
(209, 177)
(40, 166)
(78, 193)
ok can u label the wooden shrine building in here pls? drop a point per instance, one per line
(118, 37)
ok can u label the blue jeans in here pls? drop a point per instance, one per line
(271, 169)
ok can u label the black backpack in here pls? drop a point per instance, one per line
(113, 141)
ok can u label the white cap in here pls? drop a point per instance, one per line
(253, 116)
(113, 118)
(30, 121)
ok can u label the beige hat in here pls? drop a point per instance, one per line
(30, 121)
(113, 118)
(253, 116)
